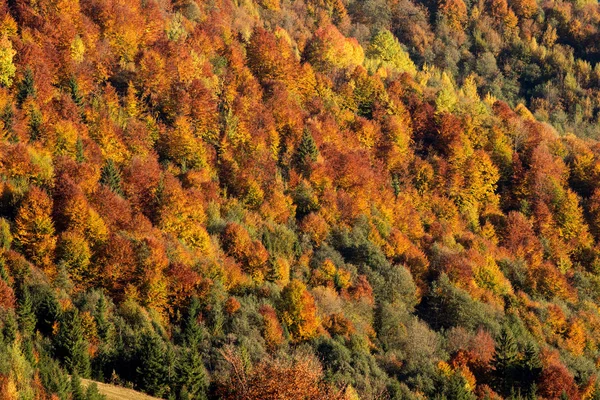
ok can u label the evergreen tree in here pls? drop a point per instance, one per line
(306, 153)
(530, 366)
(71, 346)
(77, 392)
(7, 116)
(192, 375)
(79, 151)
(457, 388)
(505, 360)
(92, 393)
(151, 371)
(193, 332)
(111, 177)
(26, 87)
(27, 319)
(74, 90)
(35, 123)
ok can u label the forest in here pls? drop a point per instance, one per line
(300, 199)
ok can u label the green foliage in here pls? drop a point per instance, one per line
(70, 344)
(26, 88)
(111, 177)
(386, 51)
(152, 370)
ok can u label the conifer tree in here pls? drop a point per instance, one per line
(26, 87)
(505, 360)
(111, 177)
(77, 392)
(71, 345)
(79, 151)
(151, 370)
(26, 315)
(306, 153)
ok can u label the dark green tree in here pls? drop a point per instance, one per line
(111, 177)
(77, 392)
(35, 123)
(192, 375)
(79, 151)
(74, 90)
(306, 153)
(71, 346)
(25, 313)
(151, 371)
(26, 87)
(505, 361)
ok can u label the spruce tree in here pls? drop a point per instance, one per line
(75, 93)
(71, 345)
(192, 374)
(151, 371)
(505, 360)
(306, 153)
(531, 366)
(111, 177)
(79, 151)
(35, 123)
(26, 87)
(193, 333)
(26, 315)
(77, 392)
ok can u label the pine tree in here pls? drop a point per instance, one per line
(306, 153)
(531, 366)
(26, 87)
(111, 177)
(71, 345)
(505, 360)
(193, 333)
(77, 392)
(192, 374)
(7, 116)
(74, 91)
(25, 313)
(151, 372)
(79, 151)
(35, 123)
(457, 388)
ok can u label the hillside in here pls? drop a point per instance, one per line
(116, 392)
(300, 199)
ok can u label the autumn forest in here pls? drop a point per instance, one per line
(300, 199)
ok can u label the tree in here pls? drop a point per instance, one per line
(298, 311)
(26, 316)
(306, 153)
(386, 49)
(26, 87)
(7, 68)
(192, 375)
(111, 177)
(329, 49)
(151, 371)
(505, 361)
(70, 344)
(34, 228)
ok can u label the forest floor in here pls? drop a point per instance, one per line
(118, 393)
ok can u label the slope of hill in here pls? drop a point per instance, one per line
(300, 199)
(112, 392)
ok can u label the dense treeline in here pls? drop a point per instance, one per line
(300, 199)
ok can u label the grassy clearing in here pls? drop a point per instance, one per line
(118, 393)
